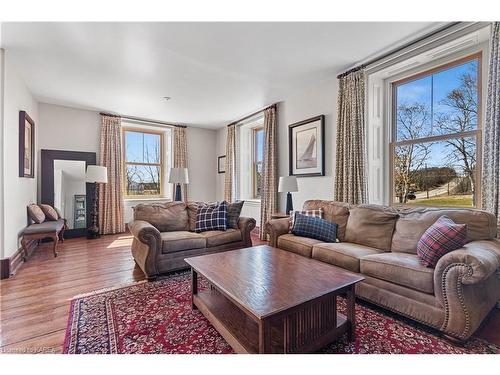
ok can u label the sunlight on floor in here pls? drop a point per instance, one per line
(121, 242)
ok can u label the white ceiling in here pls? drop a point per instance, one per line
(214, 72)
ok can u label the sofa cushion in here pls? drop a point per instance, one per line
(166, 217)
(371, 225)
(413, 222)
(343, 254)
(399, 268)
(36, 214)
(45, 227)
(211, 216)
(192, 207)
(49, 211)
(337, 212)
(440, 238)
(233, 213)
(219, 237)
(181, 240)
(297, 244)
(314, 227)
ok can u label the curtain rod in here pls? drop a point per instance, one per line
(143, 120)
(253, 114)
(397, 49)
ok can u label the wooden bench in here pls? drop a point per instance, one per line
(47, 229)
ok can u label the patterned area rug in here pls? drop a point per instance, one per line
(156, 317)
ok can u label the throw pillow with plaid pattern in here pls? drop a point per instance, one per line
(211, 217)
(440, 238)
(313, 213)
(314, 227)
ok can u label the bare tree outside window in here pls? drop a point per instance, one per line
(434, 149)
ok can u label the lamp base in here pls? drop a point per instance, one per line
(289, 204)
(93, 229)
(178, 193)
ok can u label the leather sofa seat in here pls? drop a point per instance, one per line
(219, 237)
(343, 254)
(181, 240)
(297, 244)
(399, 268)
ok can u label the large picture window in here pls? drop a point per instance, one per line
(435, 148)
(143, 163)
(258, 157)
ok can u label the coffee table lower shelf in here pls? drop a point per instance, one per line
(297, 332)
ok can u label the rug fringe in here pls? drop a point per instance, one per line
(104, 290)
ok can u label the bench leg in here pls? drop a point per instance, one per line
(24, 245)
(61, 235)
(56, 240)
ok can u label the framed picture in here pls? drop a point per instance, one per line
(221, 164)
(306, 147)
(26, 145)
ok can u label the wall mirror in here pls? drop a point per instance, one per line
(64, 187)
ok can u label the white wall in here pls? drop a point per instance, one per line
(18, 191)
(320, 99)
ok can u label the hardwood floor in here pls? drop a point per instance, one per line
(35, 302)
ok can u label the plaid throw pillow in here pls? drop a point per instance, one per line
(233, 214)
(312, 213)
(314, 227)
(440, 238)
(211, 217)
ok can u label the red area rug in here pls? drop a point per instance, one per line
(156, 317)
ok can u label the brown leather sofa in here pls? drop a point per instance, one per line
(380, 243)
(164, 235)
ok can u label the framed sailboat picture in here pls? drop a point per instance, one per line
(306, 147)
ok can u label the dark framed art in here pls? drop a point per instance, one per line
(221, 164)
(306, 147)
(26, 145)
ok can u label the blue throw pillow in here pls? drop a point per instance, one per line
(314, 227)
(211, 217)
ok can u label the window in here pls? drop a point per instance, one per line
(258, 157)
(436, 132)
(143, 163)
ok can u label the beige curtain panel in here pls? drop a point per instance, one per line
(111, 194)
(350, 183)
(268, 201)
(490, 194)
(229, 176)
(180, 155)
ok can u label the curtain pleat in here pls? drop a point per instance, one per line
(268, 202)
(229, 176)
(111, 208)
(350, 182)
(180, 155)
(490, 188)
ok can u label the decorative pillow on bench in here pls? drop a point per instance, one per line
(314, 227)
(36, 214)
(440, 238)
(49, 211)
(211, 217)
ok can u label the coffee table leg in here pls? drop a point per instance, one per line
(351, 312)
(194, 287)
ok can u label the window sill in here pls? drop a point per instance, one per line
(253, 200)
(146, 199)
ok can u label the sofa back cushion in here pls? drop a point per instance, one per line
(413, 222)
(192, 207)
(338, 212)
(166, 217)
(371, 225)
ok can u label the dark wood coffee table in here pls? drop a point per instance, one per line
(266, 300)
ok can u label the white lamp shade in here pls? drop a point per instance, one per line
(96, 173)
(288, 184)
(178, 176)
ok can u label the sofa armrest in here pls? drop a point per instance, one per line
(276, 228)
(146, 246)
(246, 225)
(467, 287)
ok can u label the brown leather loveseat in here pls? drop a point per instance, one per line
(380, 243)
(164, 235)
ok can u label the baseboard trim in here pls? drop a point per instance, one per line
(9, 266)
